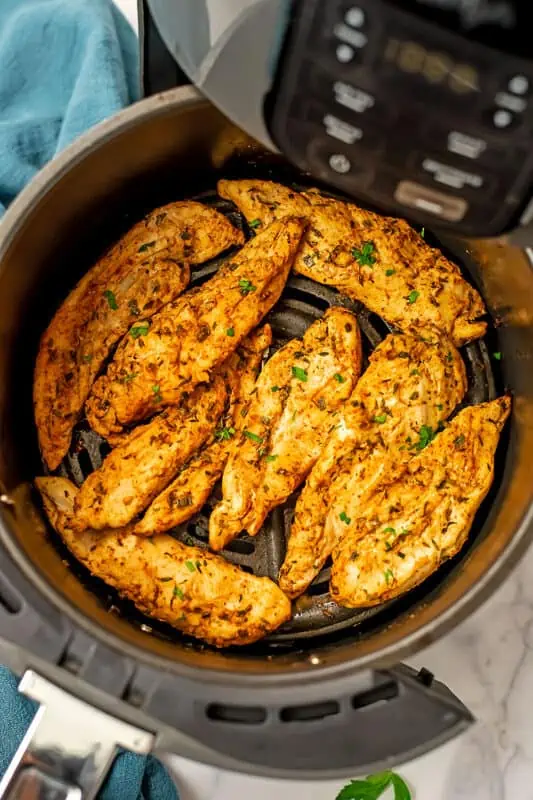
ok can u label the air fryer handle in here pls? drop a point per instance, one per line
(68, 748)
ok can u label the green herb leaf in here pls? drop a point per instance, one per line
(365, 256)
(401, 790)
(459, 441)
(158, 398)
(449, 356)
(128, 378)
(274, 388)
(301, 374)
(270, 458)
(139, 330)
(88, 358)
(497, 356)
(439, 406)
(185, 235)
(177, 592)
(415, 372)
(423, 232)
(381, 418)
(246, 286)
(224, 434)
(111, 299)
(389, 577)
(254, 223)
(190, 566)
(230, 332)
(390, 530)
(426, 434)
(144, 247)
(389, 272)
(253, 437)
(413, 296)
(339, 378)
(343, 516)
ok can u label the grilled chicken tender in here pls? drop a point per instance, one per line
(409, 388)
(380, 261)
(420, 515)
(147, 268)
(194, 334)
(193, 590)
(297, 399)
(136, 471)
(188, 493)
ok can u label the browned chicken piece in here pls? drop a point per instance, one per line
(146, 269)
(409, 388)
(194, 334)
(297, 400)
(380, 261)
(189, 588)
(136, 471)
(420, 514)
(188, 493)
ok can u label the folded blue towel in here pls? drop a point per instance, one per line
(64, 66)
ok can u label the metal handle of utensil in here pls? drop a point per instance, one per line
(69, 747)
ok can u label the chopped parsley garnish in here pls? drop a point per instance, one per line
(339, 378)
(426, 434)
(246, 286)
(270, 458)
(254, 223)
(133, 307)
(88, 358)
(253, 437)
(140, 330)
(301, 374)
(157, 393)
(365, 256)
(230, 332)
(274, 388)
(413, 296)
(185, 235)
(449, 356)
(144, 247)
(128, 378)
(439, 406)
(459, 441)
(111, 299)
(177, 591)
(190, 566)
(381, 418)
(497, 356)
(343, 516)
(389, 272)
(389, 577)
(415, 372)
(423, 232)
(224, 434)
(390, 530)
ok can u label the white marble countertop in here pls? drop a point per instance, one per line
(487, 662)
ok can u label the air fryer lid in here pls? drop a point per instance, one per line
(318, 668)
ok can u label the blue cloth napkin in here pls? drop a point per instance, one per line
(65, 65)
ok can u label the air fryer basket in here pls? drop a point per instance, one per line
(268, 707)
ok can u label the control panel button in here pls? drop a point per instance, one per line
(344, 53)
(355, 17)
(339, 129)
(352, 97)
(430, 201)
(451, 176)
(339, 164)
(518, 84)
(465, 145)
(344, 126)
(351, 36)
(511, 102)
(501, 119)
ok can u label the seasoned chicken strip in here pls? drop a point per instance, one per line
(194, 334)
(193, 590)
(380, 261)
(146, 269)
(421, 514)
(296, 404)
(188, 493)
(409, 388)
(136, 471)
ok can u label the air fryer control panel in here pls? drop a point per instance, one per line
(412, 107)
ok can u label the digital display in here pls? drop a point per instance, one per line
(501, 24)
(437, 68)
